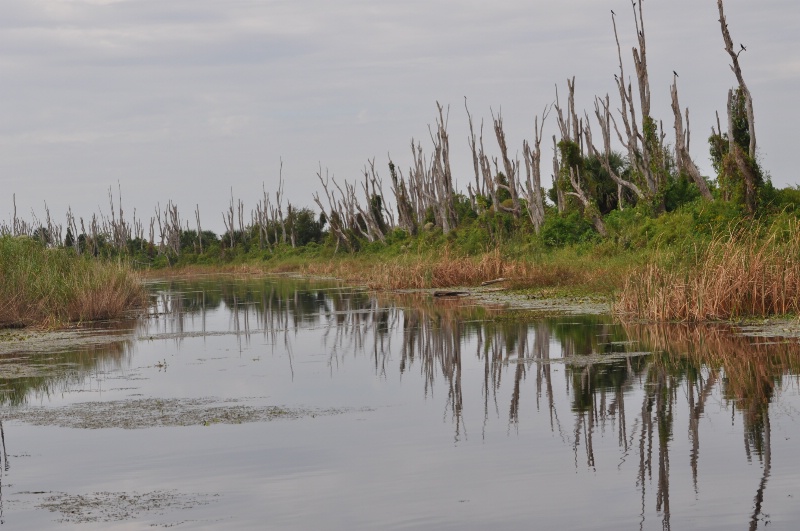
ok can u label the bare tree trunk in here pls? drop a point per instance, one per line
(682, 156)
(588, 206)
(604, 119)
(511, 168)
(737, 70)
(199, 229)
(560, 199)
(533, 172)
(637, 143)
(472, 146)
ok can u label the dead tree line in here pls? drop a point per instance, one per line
(424, 195)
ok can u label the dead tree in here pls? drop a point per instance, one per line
(227, 219)
(510, 167)
(533, 172)
(737, 160)
(589, 208)
(119, 229)
(405, 210)
(640, 140)
(604, 120)
(262, 219)
(479, 189)
(441, 176)
(334, 212)
(279, 201)
(737, 70)
(199, 229)
(572, 155)
(682, 156)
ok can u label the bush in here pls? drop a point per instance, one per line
(566, 229)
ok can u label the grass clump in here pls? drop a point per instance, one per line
(747, 272)
(51, 287)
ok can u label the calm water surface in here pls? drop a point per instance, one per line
(375, 412)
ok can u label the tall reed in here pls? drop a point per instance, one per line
(745, 273)
(51, 287)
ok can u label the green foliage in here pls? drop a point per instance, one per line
(741, 179)
(570, 228)
(680, 191)
(463, 207)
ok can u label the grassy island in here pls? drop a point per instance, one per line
(42, 286)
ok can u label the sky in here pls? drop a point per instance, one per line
(195, 100)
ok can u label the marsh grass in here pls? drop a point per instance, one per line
(52, 287)
(449, 268)
(744, 273)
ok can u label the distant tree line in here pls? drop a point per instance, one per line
(589, 181)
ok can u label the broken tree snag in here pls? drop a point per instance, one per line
(569, 147)
(511, 168)
(441, 176)
(473, 147)
(737, 70)
(560, 199)
(589, 208)
(335, 215)
(640, 140)
(533, 172)
(682, 157)
(604, 119)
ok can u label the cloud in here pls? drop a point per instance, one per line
(217, 92)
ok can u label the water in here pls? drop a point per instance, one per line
(287, 404)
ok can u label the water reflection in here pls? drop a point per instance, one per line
(595, 383)
(37, 376)
(748, 371)
(611, 372)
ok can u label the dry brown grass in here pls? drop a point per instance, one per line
(741, 275)
(449, 269)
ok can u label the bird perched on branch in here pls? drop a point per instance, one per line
(676, 74)
(743, 48)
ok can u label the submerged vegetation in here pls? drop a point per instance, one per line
(641, 223)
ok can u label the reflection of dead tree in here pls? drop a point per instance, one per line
(696, 412)
(541, 351)
(522, 359)
(759, 499)
(5, 454)
(436, 344)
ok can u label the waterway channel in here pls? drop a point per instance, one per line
(285, 403)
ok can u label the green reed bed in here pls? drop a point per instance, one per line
(52, 287)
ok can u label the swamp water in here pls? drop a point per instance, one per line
(288, 404)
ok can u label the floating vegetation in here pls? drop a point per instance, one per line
(118, 506)
(158, 412)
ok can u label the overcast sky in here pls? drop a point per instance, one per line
(186, 99)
